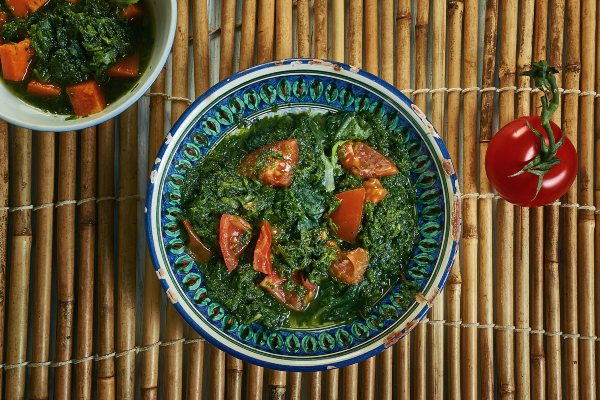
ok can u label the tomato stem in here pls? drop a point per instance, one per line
(543, 77)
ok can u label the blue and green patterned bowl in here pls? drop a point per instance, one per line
(293, 86)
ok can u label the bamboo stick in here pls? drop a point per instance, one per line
(586, 223)
(387, 40)
(486, 337)
(371, 31)
(254, 382)
(173, 354)
(106, 256)
(403, 43)
(235, 371)
(248, 34)
(522, 347)
(201, 53)
(44, 220)
(320, 29)
(217, 374)
(367, 384)
(438, 75)
(333, 383)
(127, 244)
(227, 42)
(303, 12)
(195, 349)
(419, 336)
(597, 194)
(314, 392)
(538, 364)
(569, 215)
(4, 182)
(65, 250)
(385, 381)
(18, 285)
(355, 34)
(338, 29)
(470, 237)
(152, 293)
(266, 32)
(454, 285)
(505, 211)
(87, 252)
(295, 385)
(277, 385)
(283, 29)
(350, 382)
(553, 343)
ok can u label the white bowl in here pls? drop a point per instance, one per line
(18, 112)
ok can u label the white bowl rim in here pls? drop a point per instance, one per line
(131, 97)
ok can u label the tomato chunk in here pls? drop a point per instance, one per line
(262, 252)
(363, 160)
(19, 7)
(127, 67)
(132, 12)
(374, 190)
(233, 239)
(293, 300)
(16, 60)
(87, 98)
(348, 215)
(273, 164)
(197, 249)
(39, 89)
(350, 266)
(34, 5)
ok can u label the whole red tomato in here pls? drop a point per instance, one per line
(516, 145)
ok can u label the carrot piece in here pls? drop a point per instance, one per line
(86, 98)
(16, 59)
(132, 12)
(34, 5)
(18, 7)
(127, 67)
(39, 89)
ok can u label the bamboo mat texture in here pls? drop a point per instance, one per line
(81, 312)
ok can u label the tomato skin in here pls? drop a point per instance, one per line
(350, 266)
(276, 170)
(512, 148)
(231, 231)
(294, 301)
(348, 215)
(374, 190)
(198, 250)
(364, 161)
(262, 252)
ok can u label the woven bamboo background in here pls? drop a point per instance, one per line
(81, 312)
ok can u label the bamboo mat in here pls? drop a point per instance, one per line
(81, 312)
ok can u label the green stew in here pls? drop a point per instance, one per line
(303, 220)
(74, 57)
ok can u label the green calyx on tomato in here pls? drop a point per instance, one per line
(543, 76)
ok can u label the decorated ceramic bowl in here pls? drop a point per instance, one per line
(293, 86)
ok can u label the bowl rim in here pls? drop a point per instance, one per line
(131, 97)
(449, 254)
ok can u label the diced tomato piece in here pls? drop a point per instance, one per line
(363, 160)
(348, 215)
(86, 98)
(233, 239)
(34, 5)
(37, 88)
(292, 300)
(197, 249)
(273, 164)
(310, 287)
(127, 67)
(375, 192)
(18, 7)
(132, 12)
(350, 266)
(262, 252)
(16, 60)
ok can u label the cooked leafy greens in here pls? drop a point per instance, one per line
(299, 214)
